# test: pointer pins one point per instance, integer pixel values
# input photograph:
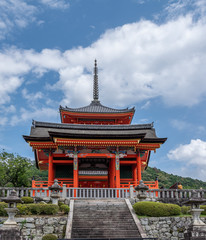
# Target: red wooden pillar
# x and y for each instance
(75, 171)
(109, 175)
(112, 173)
(139, 173)
(134, 174)
(50, 169)
(117, 168)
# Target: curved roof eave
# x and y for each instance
(96, 107)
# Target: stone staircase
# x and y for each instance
(103, 219)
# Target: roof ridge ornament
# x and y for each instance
(95, 86)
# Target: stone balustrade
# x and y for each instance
(25, 192)
(152, 194)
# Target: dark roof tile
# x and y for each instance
(96, 107)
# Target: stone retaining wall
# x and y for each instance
(163, 228)
(34, 228)
(166, 228)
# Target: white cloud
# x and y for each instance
(184, 125)
(144, 120)
(18, 14)
(175, 8)
(191, 158)
(146, 105)
(43, 114)
(59, 4)
(137, 62)
(180, 124)
(192, 153)
(155, 60)
(15, 14)
(31, 96)
(7, 109)
(16, 63)
(3, 121)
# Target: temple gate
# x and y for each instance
(94, 146)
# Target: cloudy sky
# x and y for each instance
(151, 54)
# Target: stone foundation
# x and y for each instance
(167, 228)
(10, 234)
(34, 228)
(163, 228)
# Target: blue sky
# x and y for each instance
(151, 54)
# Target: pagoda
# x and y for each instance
(93, 146)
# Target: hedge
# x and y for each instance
(49, 237)
(2, 210)
(203, 207)
(64, 208)
(156, 209)
(27, 200)
(60, 203)
(185, 210)
(37, 209)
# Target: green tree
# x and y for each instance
(166, 180)
(14, 170)
(18, 171)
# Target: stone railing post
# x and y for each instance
(131, 191)
(64, 191)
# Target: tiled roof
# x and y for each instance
(91, 126)
(44, 130)
(97, 107)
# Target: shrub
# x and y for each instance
(50, 209)
(49, 237)
(23, 209)
(60, 203)
(27, 200)
(64, 208)
(173, 209)
(203, 207)
(185, 210)
(2, 206)
(156, 209)
(37, 209)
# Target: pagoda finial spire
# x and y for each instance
(95, 87)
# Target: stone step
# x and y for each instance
(102, 209)
(109, 212)
(102, 216)
(84, 228)
(103, 219)
(101, 236)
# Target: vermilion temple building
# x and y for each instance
(94, 146)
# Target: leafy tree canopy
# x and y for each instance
(17, 171)
(166, 180)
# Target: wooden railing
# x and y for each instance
(124, 183)
(45, 184)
